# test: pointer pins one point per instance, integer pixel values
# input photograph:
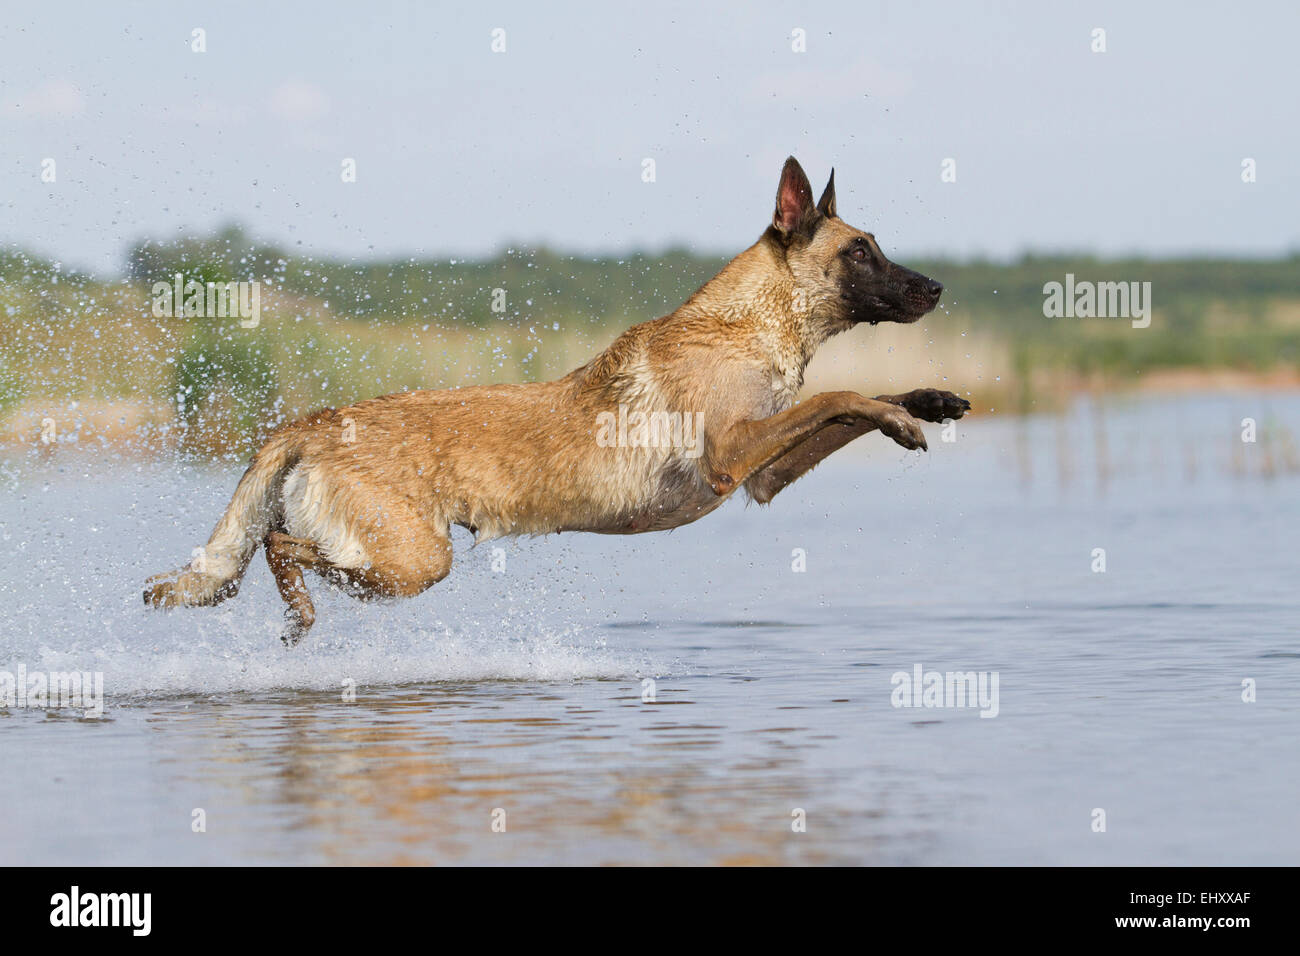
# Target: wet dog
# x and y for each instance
(653, 433)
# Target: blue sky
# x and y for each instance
(461, 151)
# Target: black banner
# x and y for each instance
(333, 906)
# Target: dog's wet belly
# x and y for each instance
(674, 500)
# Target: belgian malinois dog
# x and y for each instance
(655, 432)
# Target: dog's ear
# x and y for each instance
(794, 203)
(826, 205)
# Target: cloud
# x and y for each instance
(54, 98)
(299, 101)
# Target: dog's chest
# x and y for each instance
(784, 388)
(678, 495)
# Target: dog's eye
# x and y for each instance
(858, 253)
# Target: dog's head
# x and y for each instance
(841, 277)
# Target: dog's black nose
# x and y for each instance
(934, 289)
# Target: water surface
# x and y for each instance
(522, 690)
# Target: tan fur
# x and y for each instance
(375, 512)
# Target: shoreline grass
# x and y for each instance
(90, 354)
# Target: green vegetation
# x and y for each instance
(335, 331)
(1219, 313)
(1212, 313)
(540, 285)
(225, 383)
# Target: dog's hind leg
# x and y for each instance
(287, 556)
(407, 557)
(403, 566)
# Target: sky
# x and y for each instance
(461, 150)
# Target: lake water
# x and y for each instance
(517, 697)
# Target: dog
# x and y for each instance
(653, 433)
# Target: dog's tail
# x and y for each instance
(214, 573)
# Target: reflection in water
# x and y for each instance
(414, 776)
(1157, 449)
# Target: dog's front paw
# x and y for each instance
(902, 428)
(934, 404)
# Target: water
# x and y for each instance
(521, 691)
